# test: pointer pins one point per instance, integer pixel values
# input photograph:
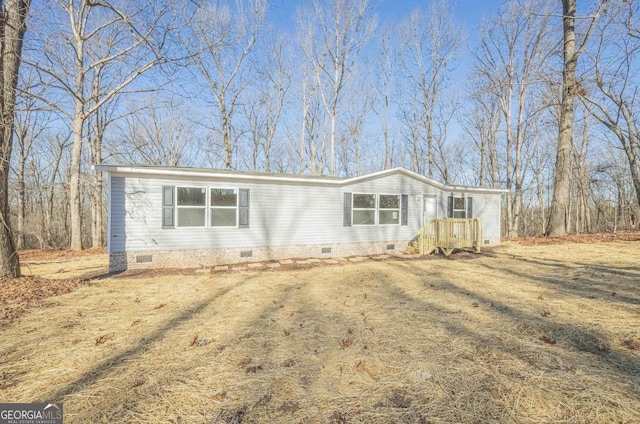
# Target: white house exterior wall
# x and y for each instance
(286, 220)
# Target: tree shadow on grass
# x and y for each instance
(106, 365)
(547, 331)
(603, 286)
(633, 272)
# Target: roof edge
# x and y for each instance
(192, 172)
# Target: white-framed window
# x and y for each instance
(223, 207)
(389, 209)
(459, 207)
(364, 209)
(191, 206)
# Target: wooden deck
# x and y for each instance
(450, 233)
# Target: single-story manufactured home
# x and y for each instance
(166, 217)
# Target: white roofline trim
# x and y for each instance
(183, 172)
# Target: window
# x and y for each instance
(460, 207)
(389, 209)
(364, 209)
(191, 205)
(224, 207)
(188, 206)
(361, 209)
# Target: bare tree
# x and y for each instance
(219, 40)
(614, 98)
(386, 62)
(49, 162)
(32, 120)
(481, 124)
(313, 123)
(514, 49)
(558, 219)
(268, 97)
(356, 110)
(158, 134)
(13, 17)
(117, 40)
(431, 43)
(332, 35)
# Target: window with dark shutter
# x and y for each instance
(243, 208)
(346, 219)
(405, 210)
(168, 207)
(469, 207)
(450, 207)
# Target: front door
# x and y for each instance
(429, 208)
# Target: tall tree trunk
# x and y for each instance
(20, 240)
(97, 240)
(96, 205)
(226, 132)
(557, 225)
(74, 180)
(13, 16)
(385, 131)
(51, 189)
(75, 205)
(509, 161)
(303, 127)
(558, 218)
(332, 137)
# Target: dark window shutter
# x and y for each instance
(243, 208)
(450, 207)
(346, 217)
(168, 207)
(404, 212)
(469, 207)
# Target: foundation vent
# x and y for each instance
(144, 258)
(246, 253)
(326, 250)
(391, 246)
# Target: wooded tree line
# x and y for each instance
(544, 103)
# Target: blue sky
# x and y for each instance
(468, 12)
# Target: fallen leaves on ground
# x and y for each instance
(52, 254)
(578, 238)
(289, 407)
(20, 294)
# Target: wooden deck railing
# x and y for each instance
(450, 233)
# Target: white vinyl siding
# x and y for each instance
(284, 214)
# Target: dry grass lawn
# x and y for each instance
(525, 334)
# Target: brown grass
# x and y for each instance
(62, 264)
(529, 334)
